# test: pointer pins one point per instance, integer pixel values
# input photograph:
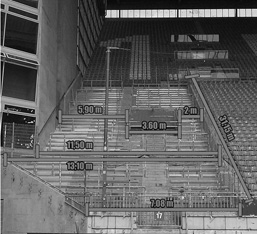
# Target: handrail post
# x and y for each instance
(60, 175)
(104, 197)
(156, 75)
(35, 138)
(12, 143)
(107, 97)
(64, 105)
(5, 126)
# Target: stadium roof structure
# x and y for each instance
(180, 4)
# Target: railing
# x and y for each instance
(20, 136)
(250, 76)
(102, 83)
(212, 128)
(208, 72)
(201, 54)
(121, 79)
(207, 125)
(230, 179)
(38, 178)
(186, 200)
(70, 93)
(62, 102)
(153, 219)
(68, 200)
(198, 38)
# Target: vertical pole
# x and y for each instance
(124, 198)
(220, 155)
(64, 103)
(131, 221)
(12, 144)
(126, 124)
(35, 138)
(156, 75)
(85, 186)
(60, 175)
(5, 127)
(37, 149)
(201, 115)
(106, 99)
(240, 209)
(5, 162)
(179, 124)
(87, 209)
(106, 127)
(59, 116)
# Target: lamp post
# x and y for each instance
(108, 51)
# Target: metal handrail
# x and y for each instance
(142, 201)
(39, 178)
(18, 136)
(213, 140)
(103, 81)
(190, 52)
(225, 147)
(59, 102)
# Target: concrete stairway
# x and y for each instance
(193, 138)
(171, 97)
(155, 142)
(154, 178)
(160, 231)
(195, 177)
(90, 130)
(96, 97)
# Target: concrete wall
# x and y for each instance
(32, 206)
(57, 56)
(111, 222)
(220, 223)
(66, 45)
(48, 60)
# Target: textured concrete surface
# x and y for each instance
(32, 206)
(57, 57)
(48, 62)
(221, 223)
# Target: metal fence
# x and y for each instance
(102, 83)
(19, 136)
(158, 218)
(201, 54)
(230, 179)
(178, 200)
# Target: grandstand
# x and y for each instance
(128, 118)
